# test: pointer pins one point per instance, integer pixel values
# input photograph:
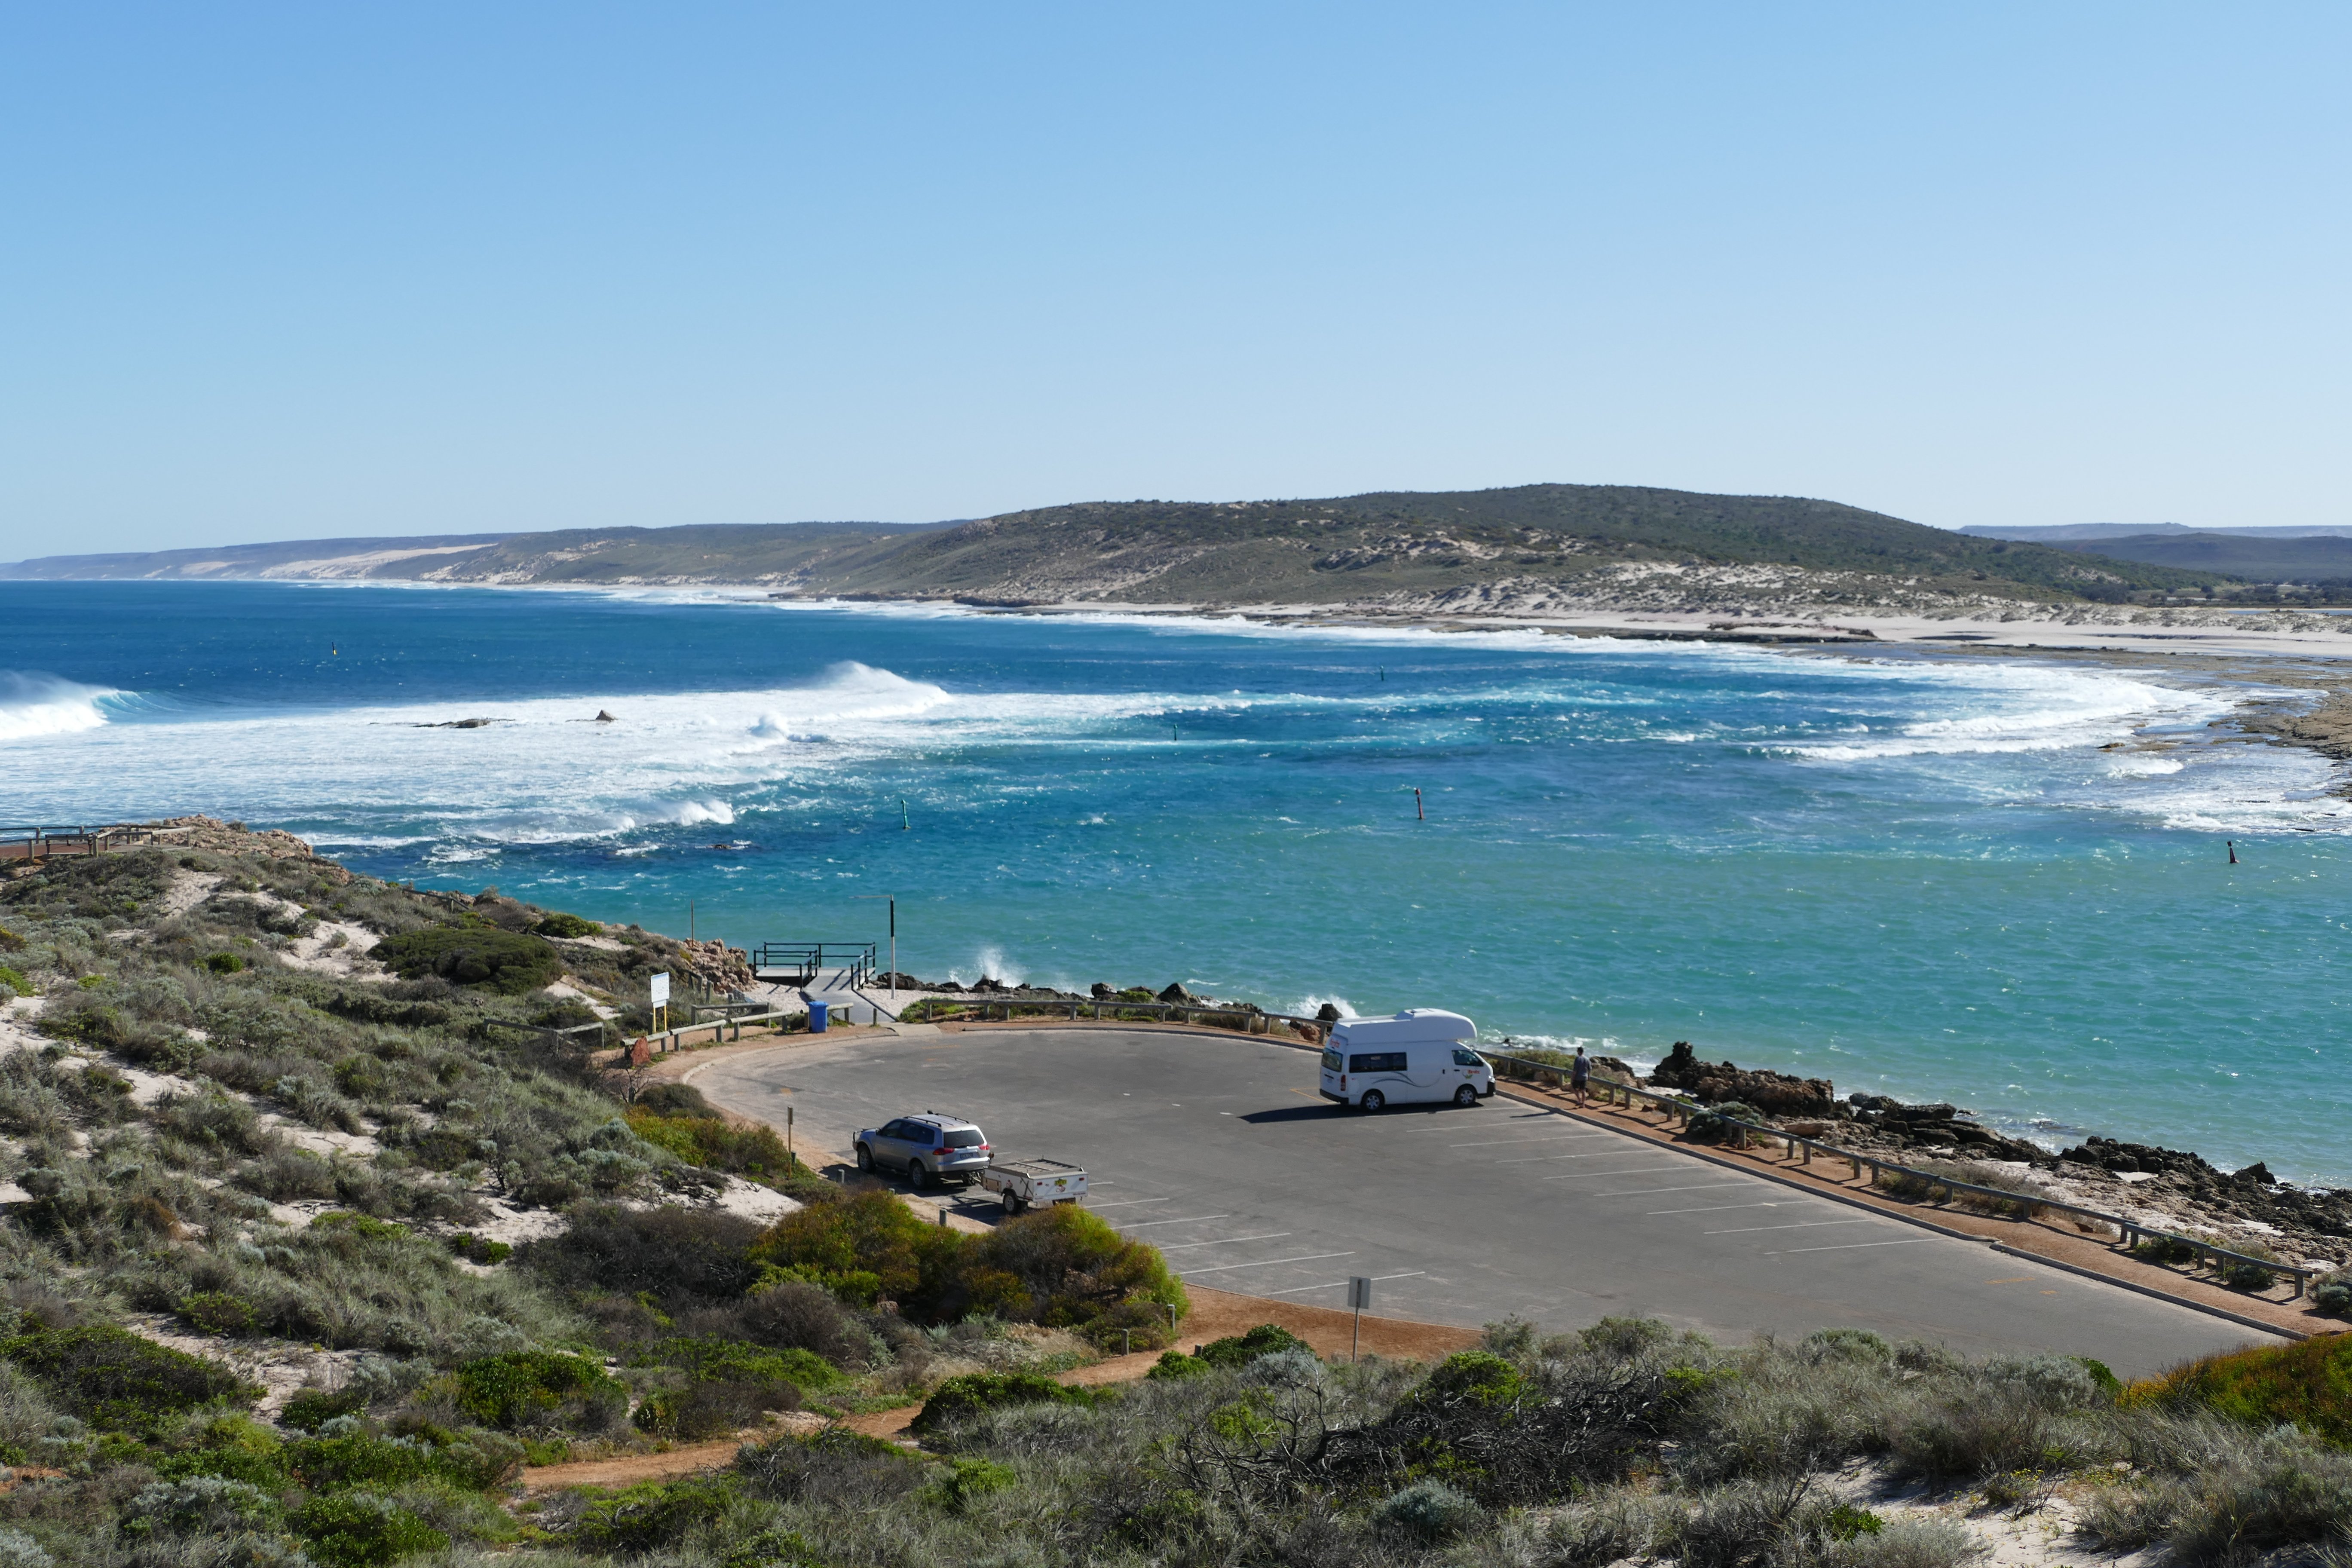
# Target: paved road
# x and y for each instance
(1220, 1152)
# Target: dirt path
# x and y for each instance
(1215, 1315)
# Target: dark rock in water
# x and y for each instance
(604, 718)
(1102, 991)
(1327, 1013)
(1176, 993)
(2258, 1172)
(1774, 1093)
(989, 986)
(460, 724)
(2110, 1155)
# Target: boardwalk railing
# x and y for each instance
(801, 962)
(41, 843)
(2130, 1233)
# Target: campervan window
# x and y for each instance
(1462, 1058)
(1332, 1060)
(1376, 1061)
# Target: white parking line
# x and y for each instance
(1190, 1219)
(1264, 1263)
(1849, 1246)
(1539, 1159)
(1228, 1241)
(1645, 1191)
(1128, 1203)
(1595, 1175)
(1712, 1208)
(1800, 1224)
(1334, 1284)
(1553, 1137)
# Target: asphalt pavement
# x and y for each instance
(1219, 1152)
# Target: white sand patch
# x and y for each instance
(282, 1367)
(321, 1140)
(565, 988)
(188, 889)
(147, 1087)
(748, 1199)
(602, 943)
(514, 1225)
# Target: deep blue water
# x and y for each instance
(1912, 874)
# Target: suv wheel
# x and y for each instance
(1373, 1100)
(918, 1174)
(864, 1158)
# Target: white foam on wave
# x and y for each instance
(2013, 708)
(34, 703)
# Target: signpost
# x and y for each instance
(1359, 1296)
(892, 898)
(788, 1140)
(660, 992)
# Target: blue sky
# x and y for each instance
(273, 272)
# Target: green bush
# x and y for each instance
(1240, 1349)
(117, 1380)
(2333, 1300)
(314, 1408)
(475, 1463)
(218, 1312)
(561, 924)
(225, 964)
(2309, 1384)
(965, 1479)
(479, 1248)
(1429, 1511)
(651, 1515)
(525, 1387)
(960, 1398)
(359, 1530)
(2248, 1276)
(511, 962)
(12, 980)
(1175, 1366)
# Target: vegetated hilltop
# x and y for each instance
(1533, 549)
(2307, 559)
(303, 1258)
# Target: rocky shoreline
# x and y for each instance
(2170, 1189)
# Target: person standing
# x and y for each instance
(1579, 1076)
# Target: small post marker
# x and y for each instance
(1359, 1296)
(903, 824)
(788, 1138)
(2233, 851)
(1418, 814)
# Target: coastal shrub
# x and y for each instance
(200, 1504)
(977, 1393)
(834, 1467)
(714, 1143)
(560, 924)
(2309, 1384)
(116, 1380)
(653, 1515)
(361, 1530)
(2244, 1276)
(1429, 1511)
(2332, 1297)
(1239, 1350)
(218, 1312)
(13, 981)
(1175, 1366)
(10, 941)
(1719, 1123)
(2164, 1249)
(225, 962)
(478, 1248)
(336, 1458)
(538, 1387)
(682, 1258)
(513, 963)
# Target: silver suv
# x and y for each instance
(928, 1147)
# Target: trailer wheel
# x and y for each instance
(1012, 1205)
(1373, 1100)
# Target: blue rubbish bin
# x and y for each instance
(816, 1018)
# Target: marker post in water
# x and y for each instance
(1418, 815)
(1359, 1296)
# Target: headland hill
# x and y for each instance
(318, 1246)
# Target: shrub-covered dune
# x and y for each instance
(314, 1238)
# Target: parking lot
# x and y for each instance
(1219, 1152)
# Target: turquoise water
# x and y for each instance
(1918, 874)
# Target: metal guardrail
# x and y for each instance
(2129, 1232)
(1085, 1007)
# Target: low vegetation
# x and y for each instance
(289, 1168)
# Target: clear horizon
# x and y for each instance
(280, 273)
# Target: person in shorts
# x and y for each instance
(1580, 1076)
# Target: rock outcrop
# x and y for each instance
(1774, 1093)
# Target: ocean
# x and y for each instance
(2001, 882)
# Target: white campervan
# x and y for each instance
(1421, 1054)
